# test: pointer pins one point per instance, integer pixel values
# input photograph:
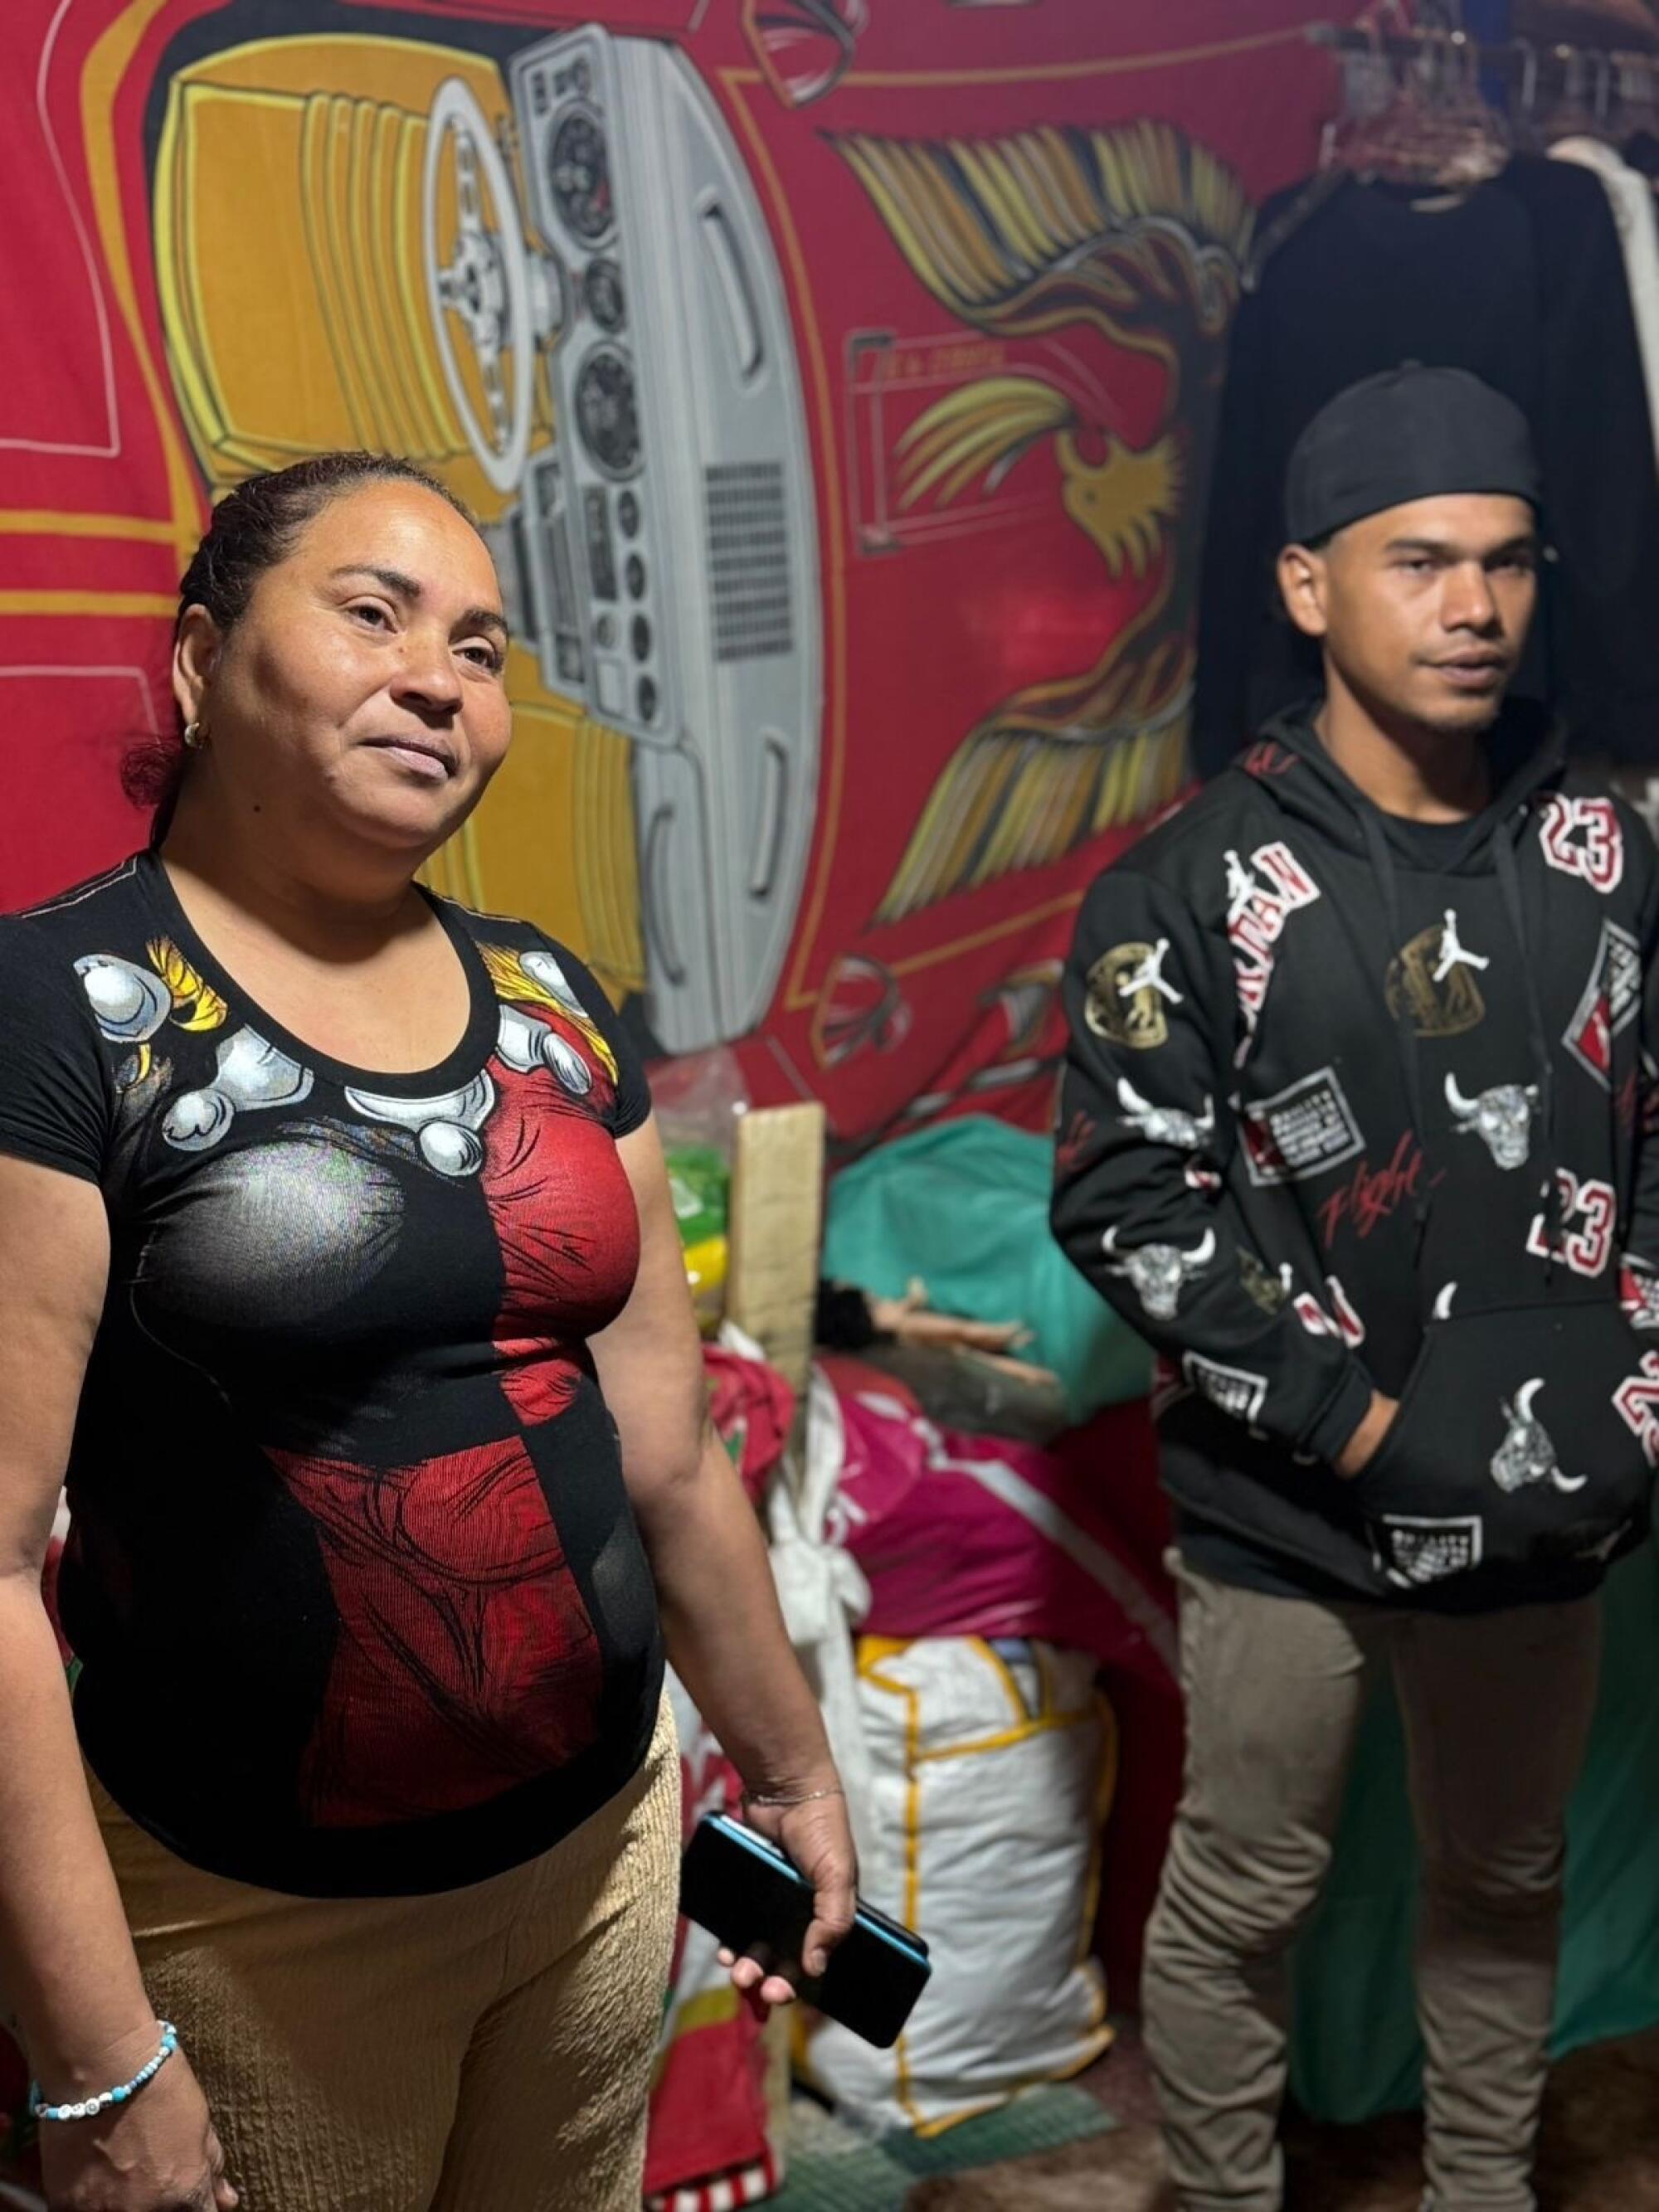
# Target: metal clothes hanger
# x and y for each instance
(1433, 128)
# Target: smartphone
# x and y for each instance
(746, 1892)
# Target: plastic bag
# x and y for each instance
(698, 1099)
(700, 1185)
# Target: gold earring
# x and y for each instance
(193, 736)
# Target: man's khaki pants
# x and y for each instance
(1497, 1709)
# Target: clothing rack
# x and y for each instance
(1487, 92)
(1564, 89)
(1519, 57)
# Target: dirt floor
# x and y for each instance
(1600, 2150)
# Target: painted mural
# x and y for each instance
(833, 379)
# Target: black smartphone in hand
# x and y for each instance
(746, 1892)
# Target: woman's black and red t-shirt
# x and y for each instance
(360, 1602)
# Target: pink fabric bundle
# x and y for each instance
(978, 1536)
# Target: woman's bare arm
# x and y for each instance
(724, 1631)
(67, 1963)
(71, 1975)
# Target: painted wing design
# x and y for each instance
(1027, 233)
(1142, 234)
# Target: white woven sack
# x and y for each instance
(992, 1771)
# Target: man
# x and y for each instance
(1351, 1131)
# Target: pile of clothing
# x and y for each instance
(1006, 1722)
(967, 1542)
(969, 1552)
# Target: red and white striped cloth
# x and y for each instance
(748, 2184)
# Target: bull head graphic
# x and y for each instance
(1160, 1271)
(1166, 1125)
(1527, 1454)
(1500, 1117)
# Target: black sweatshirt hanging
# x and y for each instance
(1522, 282)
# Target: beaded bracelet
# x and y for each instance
(89, 2108)
(806, 1797)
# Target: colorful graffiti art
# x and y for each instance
(833, 379)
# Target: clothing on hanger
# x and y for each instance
(1631, 200)
(1522, 281)
(1436, 127)
(1589, 20)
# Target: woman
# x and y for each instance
(339, 1274)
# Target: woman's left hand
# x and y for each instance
(818, 1839)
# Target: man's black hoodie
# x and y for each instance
(1337, 1117)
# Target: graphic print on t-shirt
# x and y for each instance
(449, 1578)
(451, 1587)
(380, 1290)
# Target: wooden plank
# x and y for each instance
(775, 1232)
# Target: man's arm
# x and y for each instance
(1146, 1135)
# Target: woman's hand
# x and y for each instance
(818, 1839)
(157, 2154)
